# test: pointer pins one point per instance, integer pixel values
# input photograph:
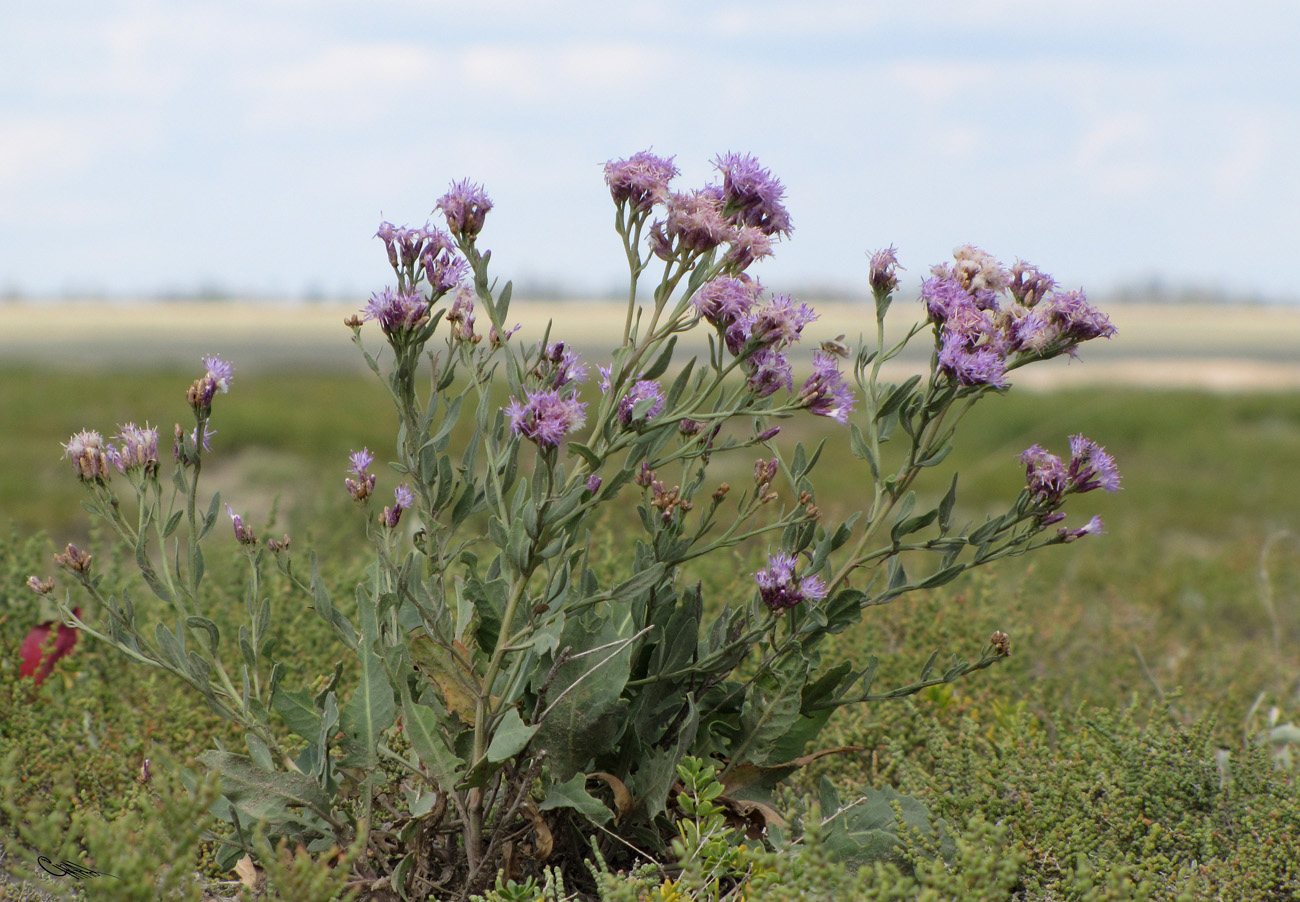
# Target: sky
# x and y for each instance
(254, 147)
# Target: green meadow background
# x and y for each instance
(1186, 612)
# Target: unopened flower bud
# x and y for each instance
(769, 433)
(74, 559)
(721, 492)
(593, 484)
(1001, 643)
(243, 535)
(39, 586)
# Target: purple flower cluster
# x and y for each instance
(243, 534)
(641, 180)
(725, 299)
(137, 448)
(746, 212)
(466, 206)
(825, 392)
(546, 416)
(461, 317)
(397, 311)
(778, 587)
(429, 248)
(89, 456)
(363, 485)
(559, 366)
(643, 402)
(217, 378)
(403, 498)
(884, 270)
(978, 339)
(1049, 479)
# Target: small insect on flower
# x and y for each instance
(836, 346)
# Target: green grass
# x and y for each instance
(1193, 597)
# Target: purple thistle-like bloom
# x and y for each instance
(778, 588)
(884, 270)
(403, 498)
(444, 268)
(1091, 467)
(643, 402)
(1028, 284)
(546, 417)
(695, 222)
(361, 487)
(725, 299)
(968, 365)
(560, 365)
(217, 378)
(752, 195)
(396, 311)
(89, 456)
(1092, 528)
(1045, 475)
(641, 180)
(243, 534)
(1078, 319)
(768, 371)
(945, 298)
(466, 205)
(747, 244)
(138, 448)
(825, 392)
(776, 324)
(979, 273)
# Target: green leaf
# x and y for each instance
(420, 725)
(587, 454)
(298, 711)
(371, 710)
(260, 793)
(203, 623)
(661, 362)
(945, 506)
(210, 518)
(573, 794)
(867, 830)
(897, 397)
(941, 577)
(771, 707)
(510, 737)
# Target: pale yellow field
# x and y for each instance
(1222, 348)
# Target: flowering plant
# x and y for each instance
(530, 696)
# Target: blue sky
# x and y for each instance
(256, 146)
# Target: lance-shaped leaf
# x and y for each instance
(265, 794)
(867, 830)
(372, 709)
(771, 708)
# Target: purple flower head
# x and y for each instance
(1078, 319)
(1045, 475)
(747, 244)
(778, 588)
(466, 205)
(825, 392)
(944, 296)
(1091, 467)
(406, 245)
(397, 311)
(979, 273)
(402, 500)
(138, 448)
(774, 325)
(461, 317)
(1028, 284)
(968, 365)
(643, 402)
(546, 417)
(695, 223)
(752, 195)
(361, 487)
(1092, 528)
(1035, 333)
(444, 268)
(641, 180)
(89, 456)
(593, 483)
(217, 378)
(725, 299)
(768, 371)
(243, 534)
(560, 365)
(884, 270)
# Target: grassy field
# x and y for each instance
(1186, 614)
